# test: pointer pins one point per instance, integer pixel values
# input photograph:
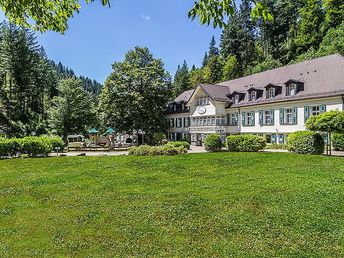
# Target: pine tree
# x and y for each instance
(213, 50)
(334, 13)
(205, 59)
(181, 80)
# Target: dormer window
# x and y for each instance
(252, 96)
(271, 93)
(291, 90)
(236, 99)
(202, 101)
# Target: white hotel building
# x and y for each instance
(273, 103)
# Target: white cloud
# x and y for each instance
(145, 17)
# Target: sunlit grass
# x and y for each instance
(221, 204)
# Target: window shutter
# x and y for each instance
(322, 108)
(272, 114)
(306, 109)
(281, 116)
(253, 118)
(294, 115)
(261, 117)
(184, 122)
(243, 118)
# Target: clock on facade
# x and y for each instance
(201, 110)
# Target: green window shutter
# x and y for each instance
(322, 108)
(272, 114)
(261, 117)
(294, 115)
(281, 116)
(306, 109)
(184, 121)
(253, 118)
(243, 118)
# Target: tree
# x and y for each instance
(181, 80)
(329, 122)
(136, 93)
(309, 34)
(214, 68)
(334, 13)
(196, 77)
(216, 11)
(205, 59)
(268, 64)
(46, 15)
(231, 69)
(71, 112)
(213, 50)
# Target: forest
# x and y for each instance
(38, 96)
(300, 30)
(29, 84)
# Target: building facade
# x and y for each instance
(272, 104)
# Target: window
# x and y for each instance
(249, 118)
(172, 122)
(202, 101)
(291, 90)
(236, 99)
(213, 120)
(267, 117)
(179, 122)
(271, 93)
(315, 110)
(253, 96)
(233, 119)
(288, 116)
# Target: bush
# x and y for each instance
(305, 142)
(55, 141)
(36, 146)
(245, 143)
(275, 146)
(213, 142)
(338, 142)
(9, 147)
(167, 150)
(183, 144)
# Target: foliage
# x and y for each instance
(215, 11)
(135, 94)
(275, 146)
(245, 143)
(9, 147)
(166, 150)
(268, 64)
(305, 142)
(213, 143)
(231, 69)
(46, 15)
(35, 146)
(183, 144)
(56, 142)
(181, 81)
(71, 111)
(338, 141)
(334, 13)
(330, 122)
(159, 138)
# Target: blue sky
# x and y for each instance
(99, 35)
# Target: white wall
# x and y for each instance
(335, 103)
(178, 129)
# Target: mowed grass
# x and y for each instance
(204, 205)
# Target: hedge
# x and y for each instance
(213, 143)
(32, 146)
(338, 142)
(167, 150)
(305, 142)
(183, 144)
(245, 143)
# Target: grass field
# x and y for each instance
(222, 204)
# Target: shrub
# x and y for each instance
(305, 142)
(338, 142)
(183, 144)
(245, 143)
(213, 142)
(145, 150)
(35, 146)
(9, 147)
(55, 141)
(275, 146)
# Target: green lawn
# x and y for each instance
(222, 204)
